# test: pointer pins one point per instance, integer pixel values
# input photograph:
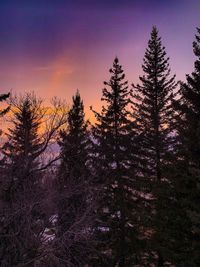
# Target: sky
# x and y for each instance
(55, 47)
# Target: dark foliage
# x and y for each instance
(114, 171)
(154, 115)
(187, 172)
(73, 229)
(21, 213)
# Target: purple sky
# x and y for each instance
(54, 47)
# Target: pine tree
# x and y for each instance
(20, 224)
(188, 154)
(154, 112)
(114, 172)
(72, 245)
(23, 140)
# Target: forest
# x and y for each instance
(123, 191)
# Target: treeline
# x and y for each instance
(123, 192)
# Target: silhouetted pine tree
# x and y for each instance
(154, 112)
(187, 182)
(20, 224)
(23, 144)
(72, 244)
(114, 171)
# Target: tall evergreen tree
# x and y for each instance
(154, 112)
(23, 140)
(187, 182)
(72, 244)
(114, 171)
(20, 224)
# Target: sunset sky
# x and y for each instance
(54, 47)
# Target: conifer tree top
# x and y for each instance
(76, 116)
(118, 87)
(196, 49)
(190, 91)
(155, 62)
